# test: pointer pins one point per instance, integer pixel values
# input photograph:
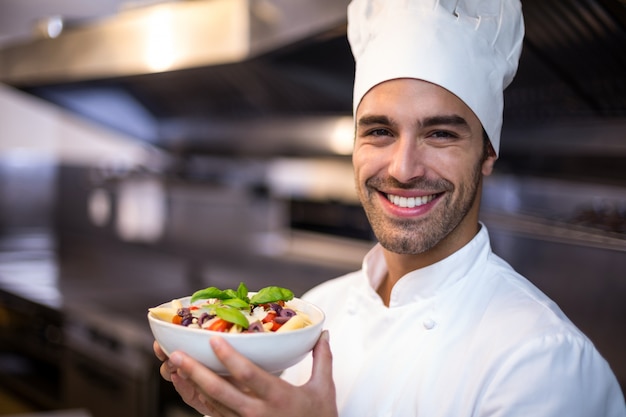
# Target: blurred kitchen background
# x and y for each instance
(151, 148)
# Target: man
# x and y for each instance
(434, 324)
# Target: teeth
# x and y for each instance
(410, 202)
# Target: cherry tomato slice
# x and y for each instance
(270, 316)
(220, 325)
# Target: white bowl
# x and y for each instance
(272, 351)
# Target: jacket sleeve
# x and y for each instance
(553, 376)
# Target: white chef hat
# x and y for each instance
(469, 47)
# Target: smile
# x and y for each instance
(410, 202)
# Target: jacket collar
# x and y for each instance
(427, 282)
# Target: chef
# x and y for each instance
(434, 323)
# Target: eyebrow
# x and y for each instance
(374, 120)
(450, 120)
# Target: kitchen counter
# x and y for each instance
(30, 268)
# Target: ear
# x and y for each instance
(489, 162)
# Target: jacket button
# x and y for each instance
(429, 324)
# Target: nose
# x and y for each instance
(407, 160)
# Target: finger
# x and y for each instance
(322, 372)
(247, 376)
(241, 387)
(185, 388)
(190, 394)
(166, 371)
(213, 386)
(159, 352)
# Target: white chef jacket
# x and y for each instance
(467, 336)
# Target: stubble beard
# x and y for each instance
(416, 236)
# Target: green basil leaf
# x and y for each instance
(211, 292)
(242, 292)
(236, 303)
(232, 315)
(271, 295)
(229, 293)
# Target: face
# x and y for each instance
(419, 159)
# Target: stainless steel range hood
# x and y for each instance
(178, 73)
(167, 37)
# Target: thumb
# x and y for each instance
(321, 385)
(322, 360)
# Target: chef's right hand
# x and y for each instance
(250, 391)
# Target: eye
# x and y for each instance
(443, 134)
(375, 134)
(379, 132)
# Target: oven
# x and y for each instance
(82, 357)
(106, 368)
(31, 351)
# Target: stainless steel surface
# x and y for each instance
(67, 346)
(598, 137)
(296, 135)
(566, 211)
(107, 358)
(169, 36)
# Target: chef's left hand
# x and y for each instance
(250, 391)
